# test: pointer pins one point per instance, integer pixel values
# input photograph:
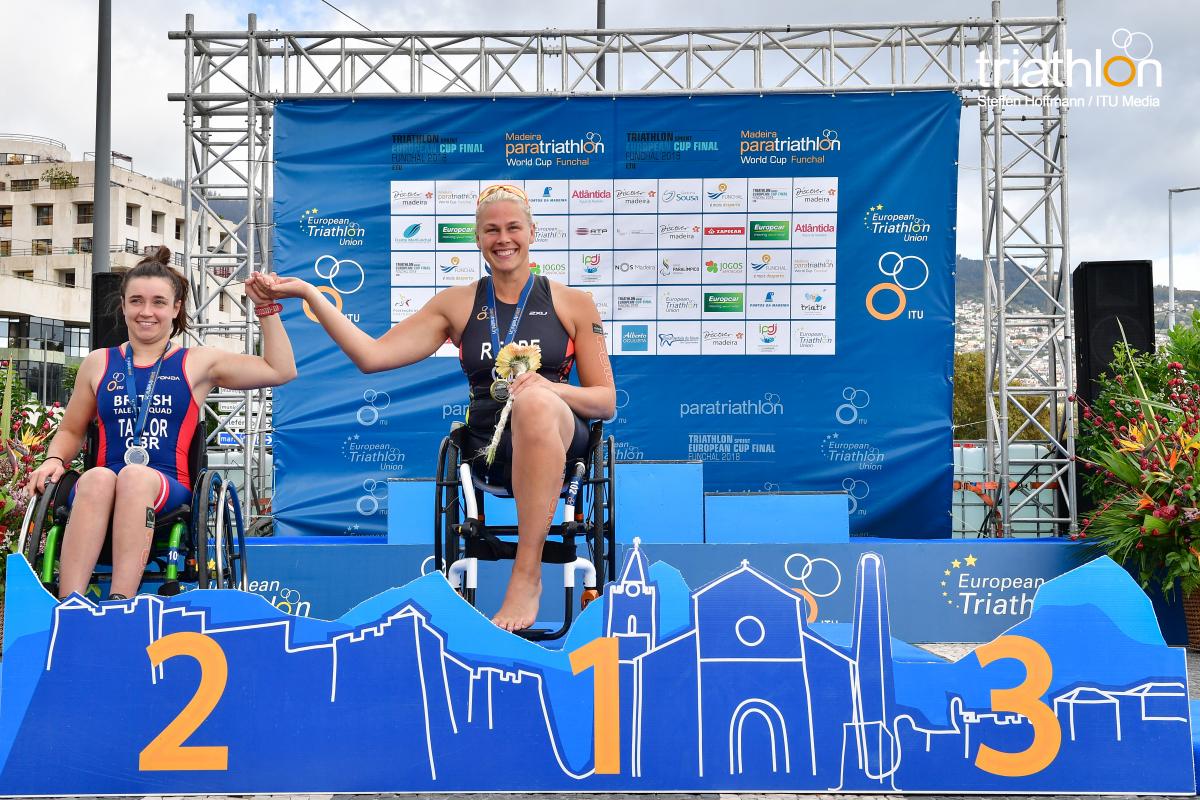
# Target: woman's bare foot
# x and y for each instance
(520, 607)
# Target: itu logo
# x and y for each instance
(345, 276)
(856, 400)
(856, 491)
(373, 403)
(908, 274)
(818, 577)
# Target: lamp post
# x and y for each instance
(1171, 250)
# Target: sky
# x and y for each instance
(1121, 160)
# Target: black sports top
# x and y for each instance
(539, 325)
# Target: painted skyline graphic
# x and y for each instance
(658, 687)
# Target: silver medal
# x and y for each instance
(137, 455)
(499, 390)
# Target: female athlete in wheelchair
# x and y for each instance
(548, 415)
(145, 399)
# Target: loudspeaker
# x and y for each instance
(108, 324)
(1109, 297)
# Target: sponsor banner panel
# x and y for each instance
(710, 232)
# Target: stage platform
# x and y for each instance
(951, 590)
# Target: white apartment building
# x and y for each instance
(46, 232)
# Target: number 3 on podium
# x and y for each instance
(1024, 699)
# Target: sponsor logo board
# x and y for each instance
(814, 194)
(723, 338)
(413, 269)
(813, 338)
(677, 195)
(412, 197)
(813, 301)
(413, 233)
(678, 338)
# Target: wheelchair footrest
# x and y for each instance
(492, 548)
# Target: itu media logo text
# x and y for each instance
(1115, 72)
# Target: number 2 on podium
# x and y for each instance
(167, 751)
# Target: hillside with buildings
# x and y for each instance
(46, 235)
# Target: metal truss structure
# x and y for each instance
(234, 78)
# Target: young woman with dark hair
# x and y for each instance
(146, 398)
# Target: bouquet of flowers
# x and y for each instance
(1145, 458)
(512, 360)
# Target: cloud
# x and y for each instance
(1121, 160)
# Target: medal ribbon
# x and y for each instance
(494, 326)
(144, 407)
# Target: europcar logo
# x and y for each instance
(775, 230)
(725, 302)
(348, 232)
(452, 232)
(908, 274)
(635, 338)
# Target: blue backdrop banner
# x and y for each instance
(775, 275)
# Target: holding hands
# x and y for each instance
(264, 287)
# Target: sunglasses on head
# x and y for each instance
(502, 187)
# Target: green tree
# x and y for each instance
(70, 373)
(970, 412)
(970, 402)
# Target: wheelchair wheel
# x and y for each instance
(42, 528)
(230, 547)
(602, 536)
(447, 543)
(218, 535)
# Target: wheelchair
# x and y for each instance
(202, 542)
(462, 538)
